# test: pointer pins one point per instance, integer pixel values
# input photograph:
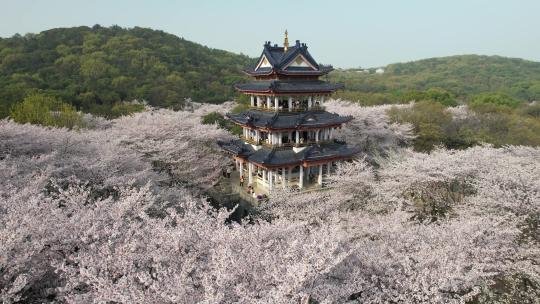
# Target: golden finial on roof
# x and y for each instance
(286, 42)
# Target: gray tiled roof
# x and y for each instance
(278, 58)
(288, 86)
(285, 120)
(274, 157)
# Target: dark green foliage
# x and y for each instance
(124, 108)
(434, 94)
(367, 99)
(516, 288)
(217, 118)
(532, 110)
(488, 122)
(47, 111)
(95, 68)
(242, 104)
(496, 99)
(501, 120)
(428, 119)
(461, 76)
(214, 118)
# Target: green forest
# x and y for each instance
(462, 77)
(51, 77)
(502, 95)
(93, 69)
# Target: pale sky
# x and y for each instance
(343, 33)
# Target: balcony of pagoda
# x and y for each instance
(288, 144)
(261, 180)
(287, 104)
(287, 110)
(295, 139)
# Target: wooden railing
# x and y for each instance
(285, 145)
(251, 141)
(286, 110)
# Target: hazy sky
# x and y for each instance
(342, 33)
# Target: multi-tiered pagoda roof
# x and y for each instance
(287, 71)
(286, 130)
(287, 61)
(275, 157)
(288, 121)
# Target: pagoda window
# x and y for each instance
(279, 103)
(264, 136)
(302, 103)
(308, 136)
(317, 102)
(283, 103)
(286, 138)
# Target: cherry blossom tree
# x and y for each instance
(176, 142)
(371, 128)
(114, 214)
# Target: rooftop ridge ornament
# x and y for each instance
(286, 42)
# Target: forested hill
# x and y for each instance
(462, 76)
(96, 68)
(93, 68)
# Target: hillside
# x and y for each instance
(93, 68)
(463, 76)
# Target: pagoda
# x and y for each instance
(288, 137)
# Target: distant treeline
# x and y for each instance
(462, 77)
(95, 68)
